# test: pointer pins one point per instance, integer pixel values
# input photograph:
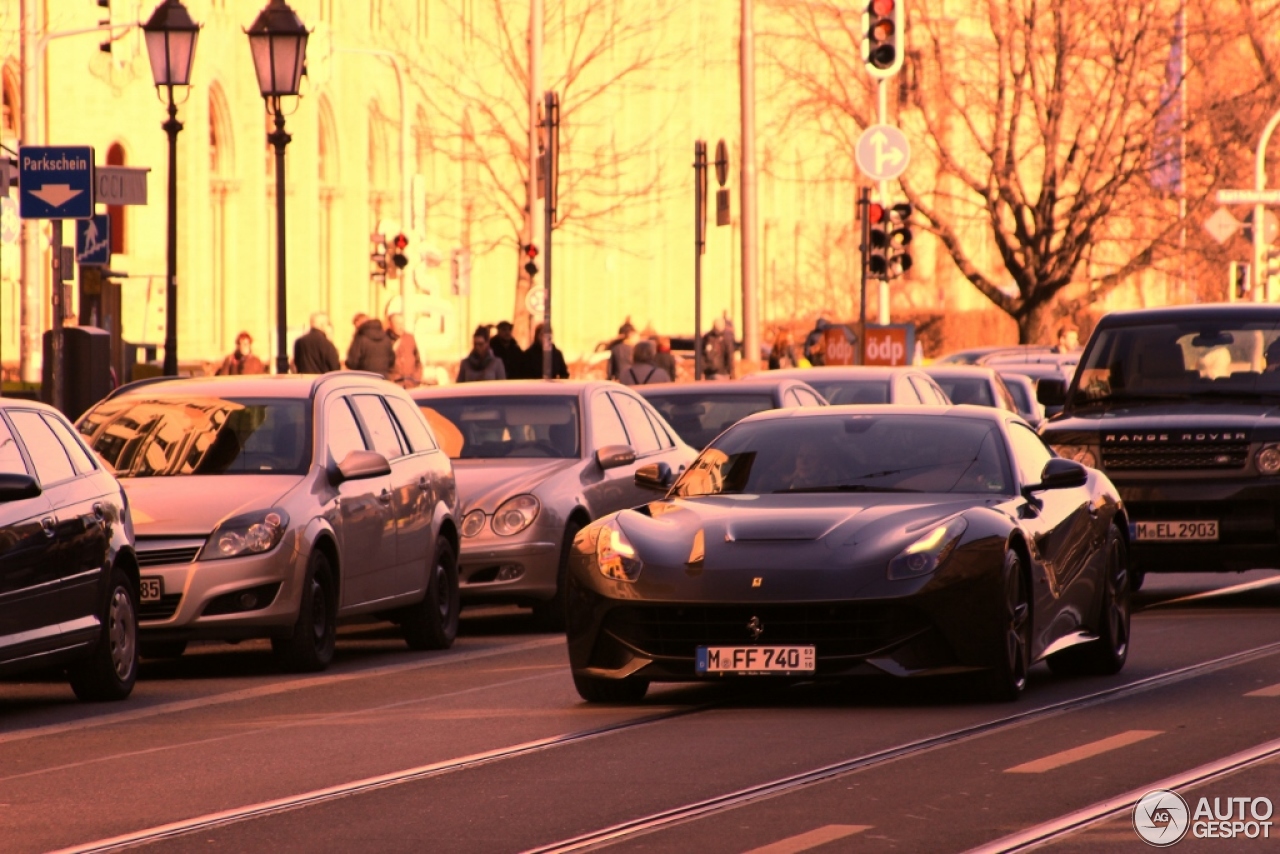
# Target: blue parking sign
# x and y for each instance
(55, 182)
(93, 241)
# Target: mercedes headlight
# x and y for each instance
(926, 554)
(1085, 455)
(473, 523)
(247, 534)
(615, 555)
(1268, 459)
(514, 515)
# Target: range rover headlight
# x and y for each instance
(473, 523)
(514, 515)
(926, 554)
(247, 534)
(1268, 459)
(615, 555)
(1085, 455)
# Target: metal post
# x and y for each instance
(32, 275)
(535, 95)
(280, 139)
(1261, 284)
(699, 249)
(551, 166)
(882, 102)
(864, 247)
(172, 127)
(57, 394)
(750, 256)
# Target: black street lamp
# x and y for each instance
(171, 45)
(278, 41)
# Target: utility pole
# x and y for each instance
(750, 259)
(535, 98)
(32, 275)
(551, 173)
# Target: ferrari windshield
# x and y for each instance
(138, 436)
(1173, 361)
(859, 453)
(471, 428)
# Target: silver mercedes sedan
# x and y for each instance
(536, 461)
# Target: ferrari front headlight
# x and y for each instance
(615, 555)
(926, 554)
(1085, 455)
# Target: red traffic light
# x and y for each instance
(883, 8)
(401, 241)
(875, 213)
(530, 251)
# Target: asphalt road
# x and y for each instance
(487, 748)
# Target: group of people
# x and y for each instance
(640, 361)
(390, 351)
(500, 357)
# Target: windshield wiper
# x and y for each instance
(845, 487)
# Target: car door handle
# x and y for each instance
(385, 496)
(50, 525)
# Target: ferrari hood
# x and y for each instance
(194, 505)
(485, 484)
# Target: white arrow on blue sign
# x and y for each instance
(55, 182)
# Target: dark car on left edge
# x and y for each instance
(830, 542)
(68, 574)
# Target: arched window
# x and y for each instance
(115, 157)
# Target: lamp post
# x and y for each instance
(278, 41)
(171, 46)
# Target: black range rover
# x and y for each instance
(1180, 407)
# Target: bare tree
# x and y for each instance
(1047, 135)
(595, 58)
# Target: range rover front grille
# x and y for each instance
(1226, 456)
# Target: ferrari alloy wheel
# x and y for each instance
(596, 690)
(1107, 654)
(1006, 680)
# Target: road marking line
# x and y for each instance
(281, 687)
(1270, 691)
(1221, 591)
(1084, 751)
(1094, 814)
(811, 839)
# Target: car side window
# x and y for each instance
(923, 391)
(807, 398)
(413, 424)
(382, 433)
(643, 438)
(606, 426)
(344, 432)
(1029, 452)
(11, 461)
(938, 393)
(48, 455)
(80, 458)
(1004, 396)
(664, 435)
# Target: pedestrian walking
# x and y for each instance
(642, 370)
(531, 368)
(242, 361)
(371, 348)
(408, 366)
(783, 354)
(664, 358)
(314, 353)
(481, 364)
(620, 352)
(717, 353)
(814, 343)
(508, 349)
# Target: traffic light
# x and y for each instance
(899, 238)
(398, 258)
(877, 242)
(1239, 281)
(882, 37)
(530, 252)
(378, 258)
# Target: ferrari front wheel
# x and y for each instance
(1106, 654)
(1007, 678)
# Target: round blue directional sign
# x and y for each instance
(883, 152)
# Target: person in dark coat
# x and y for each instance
(620, 351)
(481, 364)
(532, 367)
(408, 368)
(717, 353)
(314, 353)
(242, 361)
(371, 349)
(508, 349)
(664, 358)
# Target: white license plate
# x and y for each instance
(1200, 531)
(756, 660)
(151, 588)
